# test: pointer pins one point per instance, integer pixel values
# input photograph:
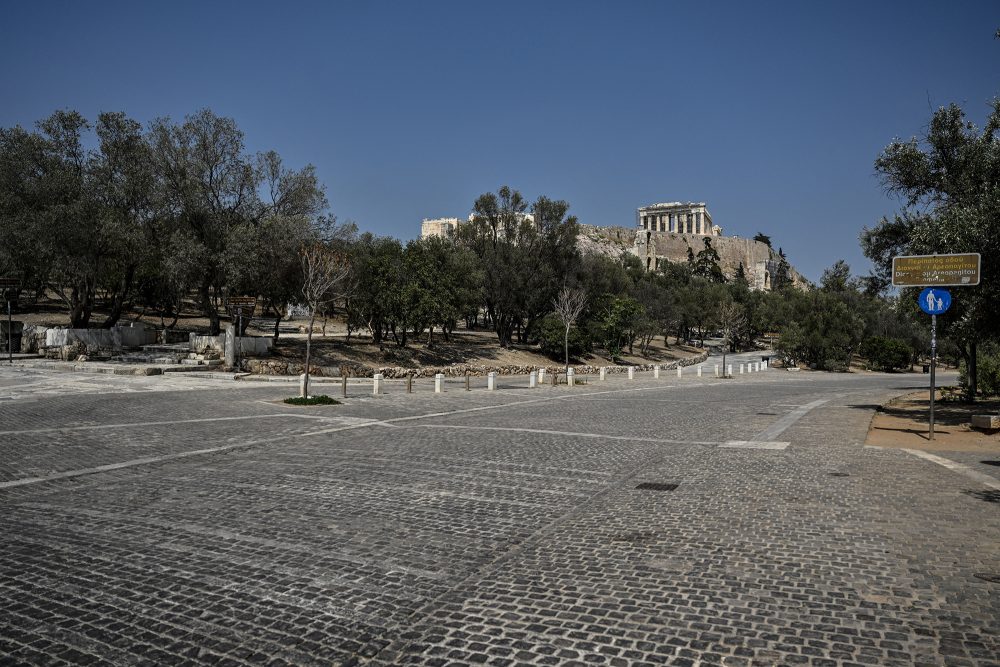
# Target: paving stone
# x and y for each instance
(502, 530)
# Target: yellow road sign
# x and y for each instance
(936, 270)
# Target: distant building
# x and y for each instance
(677, 218)
(446, 227)
(443, 227)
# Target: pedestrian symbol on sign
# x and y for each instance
(935, 301)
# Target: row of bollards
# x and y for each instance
(537, 378)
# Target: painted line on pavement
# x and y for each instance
(754, 444)
(779, 427)
(573, 434)
(98, 427)
(960, 468)
(116, 466)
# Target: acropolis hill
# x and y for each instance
(664, 232)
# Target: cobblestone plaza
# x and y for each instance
(194, 521)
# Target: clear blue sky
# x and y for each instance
(772, 113)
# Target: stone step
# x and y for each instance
(146, 359)
(175, 348)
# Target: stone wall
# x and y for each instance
(250, 346)
(115, 338)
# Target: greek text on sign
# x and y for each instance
(936, 270)
(241, 301)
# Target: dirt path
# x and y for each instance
(903, 424)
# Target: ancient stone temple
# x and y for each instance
(666, 232)
(677, 218)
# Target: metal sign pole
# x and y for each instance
(239, 337)
(10, 335)
(933, 364)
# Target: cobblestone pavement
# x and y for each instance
(201, 522)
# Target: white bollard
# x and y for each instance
(699, 371)
(750, 367)
(302, 385)
(541, 376)
(680, 371)
(631, 372)
(741, 369)
(729, 372)
(758, 367)
(491, 381)
(604, 372)
(438, 383)
(532, 380)
(656, 372)
(717, 370)
(570, 377)
(376, 383)
(765, 364)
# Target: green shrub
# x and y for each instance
(886, 354)
(987, 370)
(551, 332)
(312, 400)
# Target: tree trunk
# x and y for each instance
(118, 303)
(277, 321)
(209, 309)
(566, 348)
(81, 305)
(309, 339)
(973, 372)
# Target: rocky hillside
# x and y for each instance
(759, 260)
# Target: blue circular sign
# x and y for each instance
(934, 300)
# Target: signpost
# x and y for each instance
(9, 285)
(936, 270)
(238, 305)
(934, 300)
(933, 272)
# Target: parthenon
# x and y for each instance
(678, 218)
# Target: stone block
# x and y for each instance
(986, 422)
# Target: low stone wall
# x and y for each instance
(171, 336)
(281, 367)
(33, 338)
(113, 338)
(201, 344)
(250, 346)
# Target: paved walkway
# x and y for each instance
(678, 521)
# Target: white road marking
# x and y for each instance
(753, 444)
(960, 468)
(574, 434)
(779, 427)
(118, 466)
(97, 427)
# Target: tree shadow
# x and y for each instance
(986, 496)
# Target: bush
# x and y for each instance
(886, 354)
(551, 332)
(987, 370)
(312, 400)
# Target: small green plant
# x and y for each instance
(312, 400)
(987, 370)
(551, 334)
